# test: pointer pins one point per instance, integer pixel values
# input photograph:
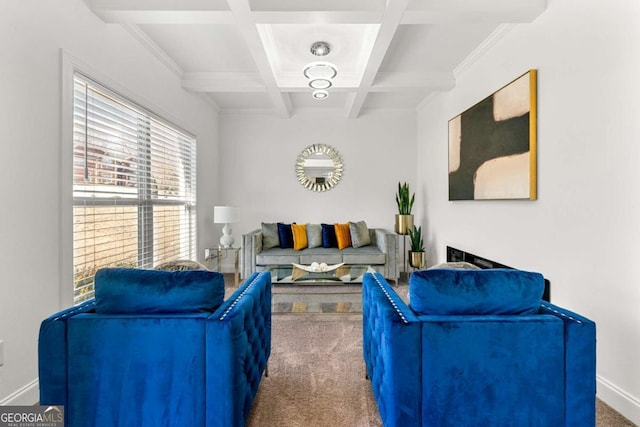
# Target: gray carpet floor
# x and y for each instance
(316, 374)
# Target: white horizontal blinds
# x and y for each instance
(106, 152)
(133, 186)
(172, 165)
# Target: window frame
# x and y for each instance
(70, 66)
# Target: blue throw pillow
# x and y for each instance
(286, 235)
(475, 292)
(130, 290)
(329, 236)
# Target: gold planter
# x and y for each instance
(418, 259)
(404, 223)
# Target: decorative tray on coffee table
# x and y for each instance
(317, 273)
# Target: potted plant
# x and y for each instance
(417, 255)
(404, 218)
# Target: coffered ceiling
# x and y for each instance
(250, 54)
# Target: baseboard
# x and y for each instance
(618, 399)
(27, 395)
(612, 395)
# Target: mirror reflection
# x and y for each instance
(319, 167)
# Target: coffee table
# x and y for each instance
(344, 274)
(298, 291)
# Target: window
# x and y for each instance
(134, 186)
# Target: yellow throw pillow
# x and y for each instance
(343, 235)
(299, 236)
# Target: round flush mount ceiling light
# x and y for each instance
(320, 48)
(320, 84)
(320, 94)
(320, 70)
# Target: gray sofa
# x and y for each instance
(381, 254)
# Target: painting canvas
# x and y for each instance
(492, 145)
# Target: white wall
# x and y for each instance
(32, 34)
(583, 232)
(260, 151)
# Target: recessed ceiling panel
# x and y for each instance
(197, 48)
(288, 48)
(433, 47)
(395, 100)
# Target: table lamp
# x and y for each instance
(225, 215)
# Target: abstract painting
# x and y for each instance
(492, 145)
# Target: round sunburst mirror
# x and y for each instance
(319, 167)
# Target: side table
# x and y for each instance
(221, 253)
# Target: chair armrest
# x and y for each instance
(52, 354)
(251, 246)
(391, 348)
(580, 365)
(238, 348)
(387, 242)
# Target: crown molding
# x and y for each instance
(497, 35)
(153, 48)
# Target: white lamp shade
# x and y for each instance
(225, 214)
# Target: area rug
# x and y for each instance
(313, 297)
(316, 374)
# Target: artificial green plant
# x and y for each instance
(404, 202)
(417, 243)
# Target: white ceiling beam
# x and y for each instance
(402, 81)
(388, 27)
(242, 13)
(223, 82)
(317, 5)
(316, 17)
(473, 11)
(171, 17)
(252, 82)
(162, 11)
(217, 12)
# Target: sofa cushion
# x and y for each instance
(343, 235)
(270, 236)
(286, 236)
(365, 255)
(329, 236)
(130, 290)
(327, 255)
(314, 235)
(359, 234)
(475, 292)
(299, 232)
(278, 256)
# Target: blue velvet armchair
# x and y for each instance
(477, 348)
(158, 348)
